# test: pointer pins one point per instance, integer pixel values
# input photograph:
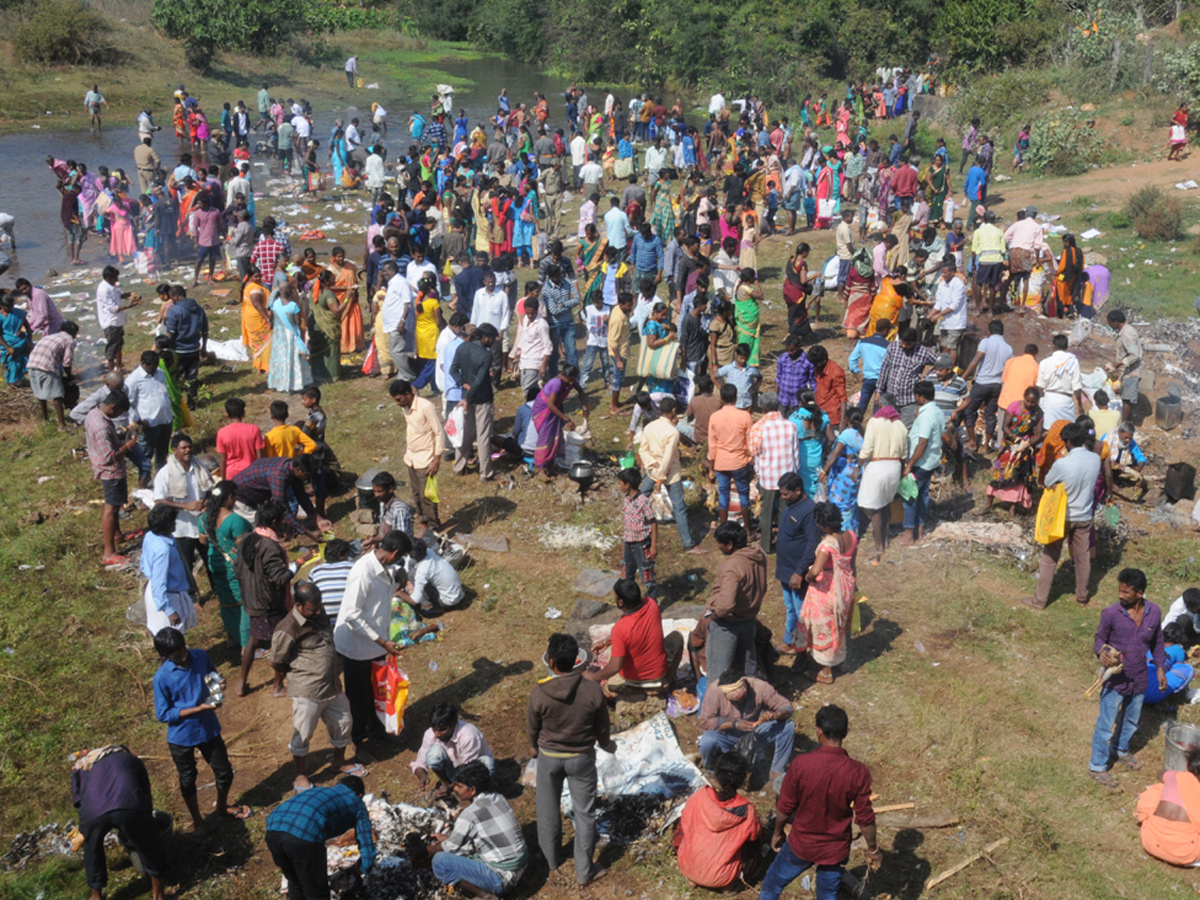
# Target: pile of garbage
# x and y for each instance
(51, 839)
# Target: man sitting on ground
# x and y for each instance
(641, 657)
(484, 854)
(737, 705)
(447, 746)
(718, 836)
(432, 582)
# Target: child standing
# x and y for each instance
(772, 209)
(596, 317)
(314, 428)
(283, 439)
(641, 533)
(741, 375)
(182, 702)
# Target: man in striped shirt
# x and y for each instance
(330, 576)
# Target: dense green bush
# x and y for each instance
(1155, 216)
(1180, 76)
(1000, 99)
(1062, 143)
(62, 32)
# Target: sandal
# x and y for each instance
(1131, 762)
(241, 813)
(1104, 778)
(357, 769)
(824, 677)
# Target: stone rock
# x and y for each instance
(366, 531)
(363, 517)
(589, 609)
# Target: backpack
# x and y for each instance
(863, 263)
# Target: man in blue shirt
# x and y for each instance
(647, 255)
(182, 702)
(795, 550)
(867, 359)
(976, 190)
(299, 827)
(187, 325)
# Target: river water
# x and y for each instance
(27, 186)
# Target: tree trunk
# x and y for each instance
(1116, 64)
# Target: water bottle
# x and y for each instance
(490, 603)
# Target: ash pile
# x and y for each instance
(401, 832)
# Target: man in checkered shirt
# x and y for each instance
(775, 445)
(484, 854)
(269, 248)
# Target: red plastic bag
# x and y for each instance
(391, 693)
(371, 364)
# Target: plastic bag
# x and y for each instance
(371, 363)
(391, 693)
(431, 490)
(757, 760)
(660, 502)
(908, 489)
(1052, 515)
(822, 493)
(454, 428)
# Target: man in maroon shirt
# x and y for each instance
(822, 792)
(904, 181)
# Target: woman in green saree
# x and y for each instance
(746, 311)
(591, 255)
(223, 528)
(939, 189)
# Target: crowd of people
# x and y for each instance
(467, 284)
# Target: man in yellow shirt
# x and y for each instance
(618, 345)
(659, 454)
(284, 439)
(424, 444)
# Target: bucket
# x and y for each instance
(1181, 740)
(1168, 412)
(164, 821)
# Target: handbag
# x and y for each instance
(660, 362)
(1052, 515)
(623, 168)
(825, 209)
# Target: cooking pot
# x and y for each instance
(581, 472)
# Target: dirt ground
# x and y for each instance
(961, 701)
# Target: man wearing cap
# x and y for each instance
(950, 308)
(987, 253)
(148, 163)
(1026, 246)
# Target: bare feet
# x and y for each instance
(301, 783)
(240, 689)
(279, 691)
(905, 540)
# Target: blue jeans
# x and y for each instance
(449, 868)
(866, 393)
(154, 441)
(787, 867)
(589, 360)
(780, 735)
(678, 506)
(1112, 705)
(916, 511)
(741, 478)
(437, 762)
(792, 601)
(562, 331)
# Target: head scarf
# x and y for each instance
(887, 412)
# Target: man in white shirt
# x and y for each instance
(578, 157)
(432, 581)
(616, 226)
(362, 629)
(844, 238)
(374, 172)
(1186, 606)
(448, 343)
(1026, 245)
(150, 405)
(794, 189)
(111, 315)
(950, 308)
(399, 320)
(533, 348)
(591, 176)
(656, 160)
(491, 307)
(716, 103)
(418, 268)
(183, 484)
(353, 137)
(1061, 381)
(351, 70)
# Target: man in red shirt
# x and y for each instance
(641, 657)
(904, 182)
(238, 443)
(831, 385)
(822, 792)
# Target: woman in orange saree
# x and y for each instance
(345, 288)
(256, 321)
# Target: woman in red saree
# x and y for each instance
(345, 288)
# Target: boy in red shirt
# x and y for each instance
(238, 443)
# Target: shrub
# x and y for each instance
(1001, 99)
(62, 32)
(1155, 216)
(1062, 143)
(1119, 219)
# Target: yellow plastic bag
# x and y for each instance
(856, 614)
(431, 490)
(1052, 515)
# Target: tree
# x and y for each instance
(205, 27)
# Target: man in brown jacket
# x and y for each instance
(302, 647)
(732, 608)
(735, 705)
(567, 719)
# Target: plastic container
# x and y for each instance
(629, 460)
(1181, 740)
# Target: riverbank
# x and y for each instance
(151, 67)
